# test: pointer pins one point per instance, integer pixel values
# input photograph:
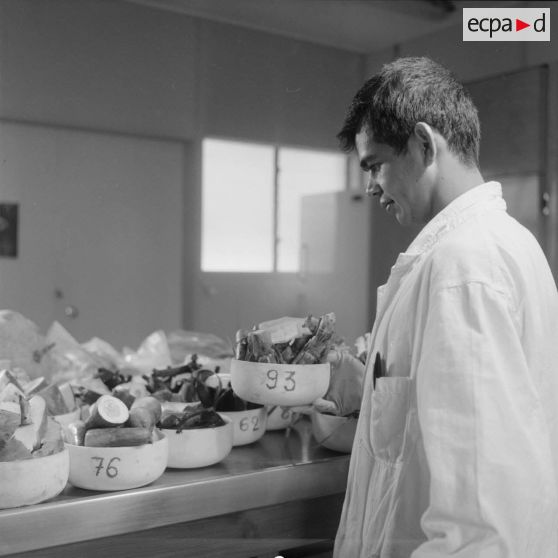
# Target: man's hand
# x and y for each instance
(345, 387)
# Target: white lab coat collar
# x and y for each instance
(484, 197)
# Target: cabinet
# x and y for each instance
(513, 114)
(335, 259)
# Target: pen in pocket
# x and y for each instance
(377, 371)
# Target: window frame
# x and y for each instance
(348, 179)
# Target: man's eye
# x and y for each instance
(375, 168)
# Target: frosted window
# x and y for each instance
(302, 172)
(237, 206)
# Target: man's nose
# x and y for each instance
(373, 188)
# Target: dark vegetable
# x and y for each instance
(125, 396)
(112, 378)
(86, 396)
(229, 401)
(189, 419)
(312, 348)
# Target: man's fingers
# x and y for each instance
(334, 357)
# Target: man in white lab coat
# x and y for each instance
(456, 451)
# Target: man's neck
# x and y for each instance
(455, 180)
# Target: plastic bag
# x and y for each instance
(184, 343)
(153, 353)
(212, 351)
(23, 346)
(106, 352)
(73, 362)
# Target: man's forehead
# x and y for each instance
(367, 149)
(365, 133)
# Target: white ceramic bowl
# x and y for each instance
(278, 418)
(35, 480)
(279, 384)
(67, 418)
(118, 468)
(248, 426)
(199, 447)
(333, 432)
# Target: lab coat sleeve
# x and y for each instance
(485, 439)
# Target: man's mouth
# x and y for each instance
(388, 205)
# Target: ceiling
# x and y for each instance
(362, 26)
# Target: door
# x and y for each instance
(100, 231)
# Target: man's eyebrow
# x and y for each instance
(367, 161)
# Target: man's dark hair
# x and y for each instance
(411, 90)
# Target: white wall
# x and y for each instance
(129, 68)
(108, 66)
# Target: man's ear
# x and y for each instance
(426, 141)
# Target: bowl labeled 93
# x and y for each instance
(279, 384)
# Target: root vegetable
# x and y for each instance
(117, 437)
(145, 412)
(107, 412)
(75, 433)
(68, 395)
(151, 403)
(142, 416)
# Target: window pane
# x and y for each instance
(302, 172)
(237, 206)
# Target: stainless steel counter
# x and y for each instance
(275, 470)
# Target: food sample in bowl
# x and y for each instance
(248, 425)
(287, 340)
(34, 465)
(117, 448)
(284, 362)
(334, 432)
(335, 416)
(198, 437)
(117, 465)
(59, 398)
(218, 400)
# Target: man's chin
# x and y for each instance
(404, 221)
(401, 218)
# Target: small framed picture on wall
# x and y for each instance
(8, 229)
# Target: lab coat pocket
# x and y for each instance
(390, 409)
